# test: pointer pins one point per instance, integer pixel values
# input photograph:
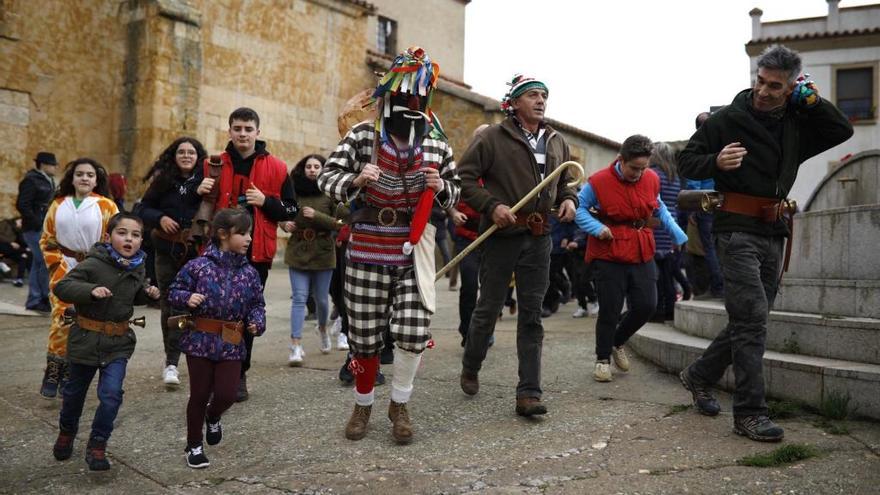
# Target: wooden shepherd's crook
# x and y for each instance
(578, 177)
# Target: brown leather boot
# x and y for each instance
(401, 426)
(356, 428)
(530, 406)
(470, 383)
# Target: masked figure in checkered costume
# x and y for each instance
(393, 169)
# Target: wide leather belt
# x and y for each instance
(179, 238)
(78, 255)
(536, 222)
(230, 331)
(641, 223)
(386, 217)
(115, 328)
(768, 210)
(308, 234)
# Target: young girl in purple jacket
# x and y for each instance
(223, 293)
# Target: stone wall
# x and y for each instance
(118, 81)
(303, 62)
(60, 85)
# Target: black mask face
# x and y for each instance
(401, 123)
(408, 120)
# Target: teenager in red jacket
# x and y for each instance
(256, 181)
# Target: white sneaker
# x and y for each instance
(621, 360)
(296, 355)
(325, 341)
(592, 308)
(337, 326)
(580, 313)
(602, 373)
(170, 376)
(4, 268)
(341, 342)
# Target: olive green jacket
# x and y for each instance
(312, 245)
(99, 270)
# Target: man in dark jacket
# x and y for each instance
(511, 158)
(753, 148)
(35, 192)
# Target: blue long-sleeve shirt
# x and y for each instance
(696, 184)
(588, 223)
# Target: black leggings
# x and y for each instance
(208, 377)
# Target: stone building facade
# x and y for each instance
(119, 80)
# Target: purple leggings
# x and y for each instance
(207, 377)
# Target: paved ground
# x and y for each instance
(621, 437)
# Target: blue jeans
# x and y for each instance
(300, 282)
(109, 393)
(38, 281)
(704, 227)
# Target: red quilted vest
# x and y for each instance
(620, 204)
(268, 175)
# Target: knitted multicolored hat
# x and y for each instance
(412, 72)
(519, 85)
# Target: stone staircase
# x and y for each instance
(823, 336)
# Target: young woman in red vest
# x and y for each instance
(619, 207)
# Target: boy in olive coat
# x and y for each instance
(103, 289)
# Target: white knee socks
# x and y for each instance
(405, 366)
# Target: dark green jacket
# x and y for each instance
(769, 167)
(318, 253)
(502, 157)
(97, 270)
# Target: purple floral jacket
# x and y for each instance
(232, 291)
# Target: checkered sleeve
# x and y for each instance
(346, 162)
(440, 153)
(452, 184)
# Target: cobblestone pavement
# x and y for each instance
(627, 436)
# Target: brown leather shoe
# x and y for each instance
(470, 383)
(401, 426)
(356, 428)
(530, 406)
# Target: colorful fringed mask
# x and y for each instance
(519, 85)
(403, 97)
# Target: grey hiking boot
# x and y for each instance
(758, 428)
(703, 400)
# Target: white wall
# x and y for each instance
(435, 25)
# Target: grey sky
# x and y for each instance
(622, 67)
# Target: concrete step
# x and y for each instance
(829, 297)
(786, 376)
(825, 336)
(834, 244)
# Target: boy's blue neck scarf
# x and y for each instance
(126, 263)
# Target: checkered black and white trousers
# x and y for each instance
(378, 297)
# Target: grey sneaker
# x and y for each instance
(703, 400)
(621, 360)
(758, 428)
(602, 372)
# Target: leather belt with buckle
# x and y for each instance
(386, 217)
